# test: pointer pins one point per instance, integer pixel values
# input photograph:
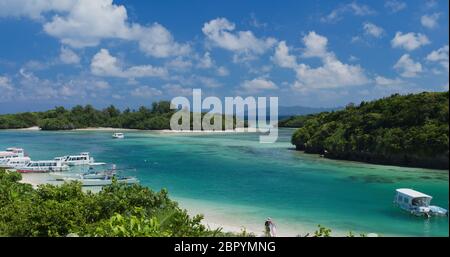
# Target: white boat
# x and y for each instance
(87, 175)
(104, 181)
(15, 162)
(43, 166)
(118, 135)
(417, 203)
(11, 153)
(78, 160)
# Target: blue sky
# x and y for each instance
(131, 53)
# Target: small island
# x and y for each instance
(406, 130)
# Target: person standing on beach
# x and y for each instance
(270, 228)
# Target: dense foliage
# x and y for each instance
(294, 121)
(157, 117)
(410, 130)
(117, 210)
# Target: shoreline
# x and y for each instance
(210, 218)
(215, 215)
(238, 130)
(163, 131)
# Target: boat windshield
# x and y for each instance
(421, 201)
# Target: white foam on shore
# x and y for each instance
(235, 218)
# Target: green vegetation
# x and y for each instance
(117, 210)
(410, 130)
(158, 117)
(155, 118)
(294, 121)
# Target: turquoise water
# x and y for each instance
(243, 182)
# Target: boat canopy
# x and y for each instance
(7, 154)
(412, 193)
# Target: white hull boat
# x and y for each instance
(417, 203)
(118, 136)
(102, 181)
(90, 175)
(82, 159)
(15, 162)
(11, 153)
(43, 167)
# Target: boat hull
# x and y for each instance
(101, 182)
(32, 171)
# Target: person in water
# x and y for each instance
(270, 228)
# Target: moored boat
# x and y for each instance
(78, 160)
(104, 181)
(43, 167)
(11, 153)
(417, 203)
(118, 135)
(87, 175)
(15, 162)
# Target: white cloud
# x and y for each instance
(33, 9)
(331, 74)
(5, 84)
(88, 22)
(84, 23)
(282, 57)
(145, 92)
(177, 90)
(440, 56)
(37, 65)
(383, 81)
(409, 41)
(431, 3)
(220, 32)
(157, 41)
(179, 64)
(373, 30)
(353, 58)
(430, 21)
(316, 45)
(68, 56)
(104, 64)
(407, 67)
(207, 82)
(352, 8)
(256, 23)
(257, 85)
(205, 62)
(394, 5)
(100, 85)
(67, 91)
(29, 87)
(222, 71)
(33, 87)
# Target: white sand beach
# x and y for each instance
(161, 131)
(104, 129)
(215, 216)
(35, 128)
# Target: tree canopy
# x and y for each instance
(117, 210)
(409, 130)
(155, 118)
